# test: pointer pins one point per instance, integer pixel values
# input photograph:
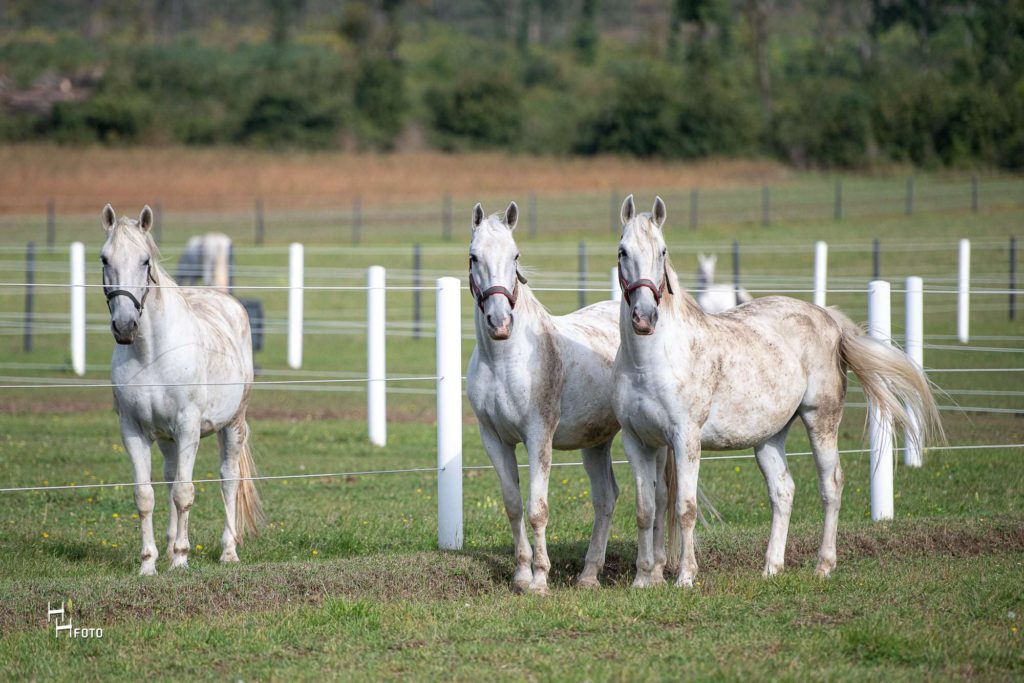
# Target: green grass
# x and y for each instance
(345, 579)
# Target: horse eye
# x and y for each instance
(146, 262)
(517, 257)
(103, 260)
(664, 252)
(472, 258)
(622, 253)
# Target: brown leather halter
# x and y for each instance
(658, 290)
(482, 295)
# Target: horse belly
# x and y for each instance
(733, 424)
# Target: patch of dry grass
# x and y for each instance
(221, 178)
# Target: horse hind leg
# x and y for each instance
(771, 458)
(604, 492)
(230, 441)
(823, 431)
(170, 451)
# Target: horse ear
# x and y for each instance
(146, 218)
(108, 217)
(659, 212)
(512, 216)
(628, 210)
(478, 215)
(712, 260)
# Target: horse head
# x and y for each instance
(494, 275)
(128, 270)
(643, 264)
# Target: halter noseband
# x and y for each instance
(482, 295)
(139, 304)
(657, 290)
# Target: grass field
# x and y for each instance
(345, 581)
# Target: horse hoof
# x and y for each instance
(148, 570)
(539, 589)
(588, 582)
(179, 563)
(642, 581)
(229, 557)
(685, 582)
(771, 570)
(823, 572)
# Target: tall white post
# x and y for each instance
(820, 272)
(376, 387)
(449, 414)
(963, 300)
(913, 345)
(616, 287)
(78, 307)
(295, 285)
(879, 423)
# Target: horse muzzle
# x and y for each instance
(124, 334)
(644, 324)
(502, 331)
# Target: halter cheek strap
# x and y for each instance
(657, 290)
(483, 295)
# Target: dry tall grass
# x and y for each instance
(78, 178)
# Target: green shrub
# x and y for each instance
(480, 109)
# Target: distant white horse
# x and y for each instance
(541, 380)
(712, 297)
(206, 260)
(739, 379)
(182, 370)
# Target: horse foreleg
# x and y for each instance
(687, 455)
(540, 472)
(184, 492)
(604, 492)
(170, 451)
(771, 458)
(644, 462)
(138, 446)
(503, 457)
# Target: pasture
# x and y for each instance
(346, 581)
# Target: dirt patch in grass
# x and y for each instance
(82, 179)
(106, 600)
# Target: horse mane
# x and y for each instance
(128, 229)
(677, 296)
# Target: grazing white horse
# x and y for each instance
(544, 381)
(206, 259)
(182, 369)
(737, 380)
(712, 297)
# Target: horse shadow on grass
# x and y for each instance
(567, 561)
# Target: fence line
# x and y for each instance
(411, 470)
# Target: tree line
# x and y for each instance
(819, 83)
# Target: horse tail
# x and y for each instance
(248, 508)
(891, 381)
(706, 511)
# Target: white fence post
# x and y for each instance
(879, 423)
(616, 287)
(449, 414)
(963, 300)
(78, 307)
(820, 273)
(295, 285)
(913, 345)
(376, 387)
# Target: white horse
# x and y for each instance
(544, 381)
(739, 379)
(712, 297)
(206, 259)
(182, 370)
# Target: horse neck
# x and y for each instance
(162, 317)
(679, 318)
(529, 315)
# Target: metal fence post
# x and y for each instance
(30, 285)
(837, 211)
(583, 274)
(446, 218)
(416, 283)
(258, 224)
(51, 223)
(876, 259)
(694, 208)
(357, 219)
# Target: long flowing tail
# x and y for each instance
(891, 382)
(248, 509)
(673, 538)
